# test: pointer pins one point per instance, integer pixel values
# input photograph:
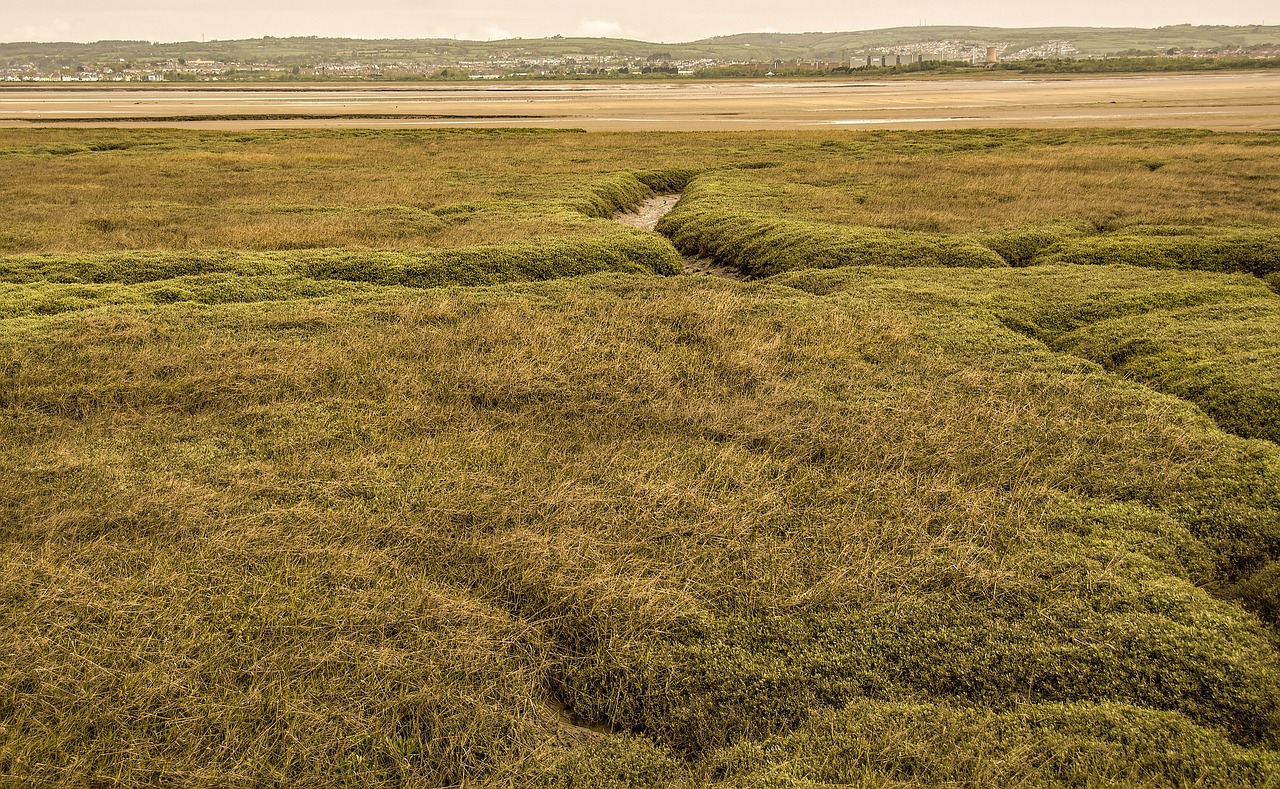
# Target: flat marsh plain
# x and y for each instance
(385, 457)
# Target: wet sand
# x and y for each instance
(1233, 101)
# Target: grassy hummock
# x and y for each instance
(1251, 250)
(626, 251)
(705, 223)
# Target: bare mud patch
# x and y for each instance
(646, 217)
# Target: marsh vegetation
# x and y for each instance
(343, 458)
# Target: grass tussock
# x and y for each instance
(1120, 745)
(40, 298)
(1217, 356)
(1023, 245)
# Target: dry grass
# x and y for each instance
(1202, 337)
(114, 190)
(106, 189)
(951, 184)
(361, 538)
(848, 526)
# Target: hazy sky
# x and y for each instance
(651, 20)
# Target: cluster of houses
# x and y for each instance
(512, 64)
(964, 51)
(120, 71)
(518, 63)
(496, 67)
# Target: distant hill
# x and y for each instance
(327, 58)
(1086, 41)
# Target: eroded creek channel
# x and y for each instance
(646, 216)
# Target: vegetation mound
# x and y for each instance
(872, 743)
(1022, 245)
(1201, 337)
(482, 265)
(1252, 250)
(705, 223)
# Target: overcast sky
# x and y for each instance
(654, 20)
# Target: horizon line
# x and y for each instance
(265, 37)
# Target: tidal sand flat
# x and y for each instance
(1243, 101)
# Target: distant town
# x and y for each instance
(312, 59)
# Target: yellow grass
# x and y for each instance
(862, 526)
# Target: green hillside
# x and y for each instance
(308, 51)
(1088, 40)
